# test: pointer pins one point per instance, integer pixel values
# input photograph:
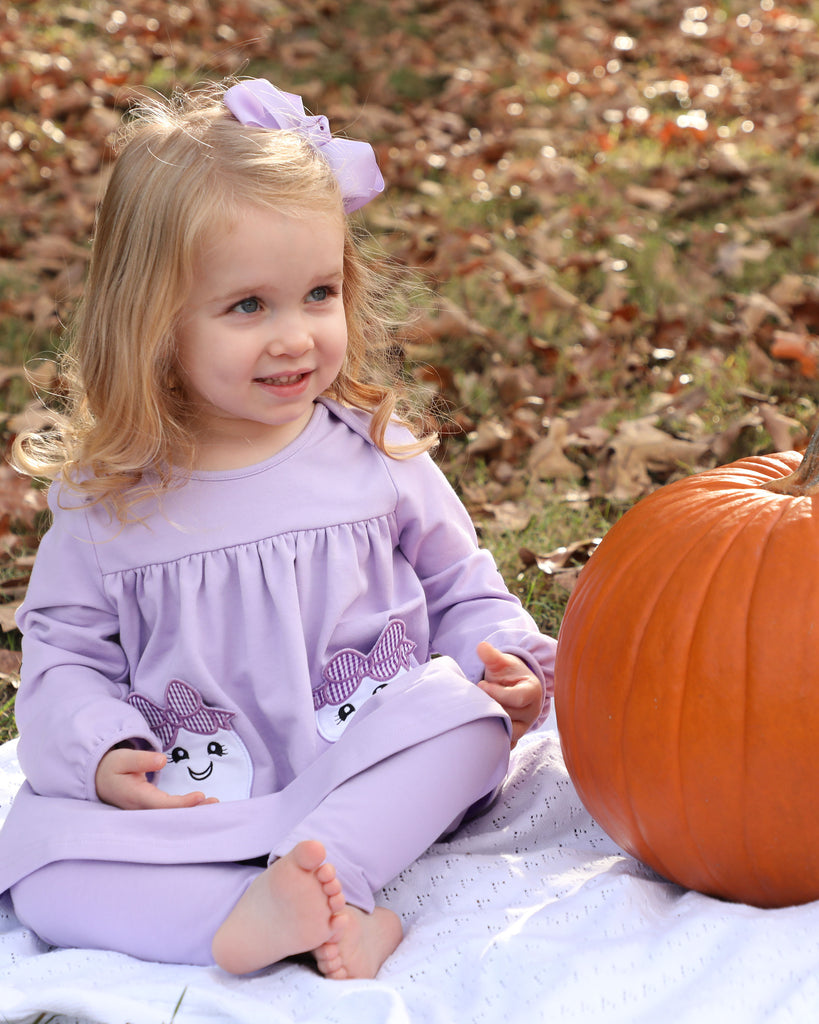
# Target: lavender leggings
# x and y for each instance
(373, 826)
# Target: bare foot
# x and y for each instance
(290, 908)
(361, 943)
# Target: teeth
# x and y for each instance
(293, 378)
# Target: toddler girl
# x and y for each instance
(232, 726)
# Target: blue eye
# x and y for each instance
(248, 305)
(322, 293)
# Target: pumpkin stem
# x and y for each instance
(804, 481)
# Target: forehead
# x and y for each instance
(264, 250)
(253, 232)
(249, 217)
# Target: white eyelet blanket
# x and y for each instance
(530, 914)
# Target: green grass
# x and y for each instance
(8, 727)
(555, 523)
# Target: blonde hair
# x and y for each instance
(186, 169)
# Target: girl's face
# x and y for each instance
(262, 332)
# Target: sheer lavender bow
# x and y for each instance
(183, 709)
(345, 670)
(262, 105)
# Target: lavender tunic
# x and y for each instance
(240, 627)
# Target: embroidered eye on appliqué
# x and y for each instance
(352, 678)
(208, 764)
(203, 750)
(346, 710)
(332, 720)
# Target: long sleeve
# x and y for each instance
(467, 598)
(70, 709)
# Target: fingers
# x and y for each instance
(518, 691)
(149, 798)
(127, 761)
(509, 681)
(491, 656)
(122, 780)
(146, 762)
(500, 667)
(507, 670)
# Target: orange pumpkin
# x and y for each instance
(687, 681)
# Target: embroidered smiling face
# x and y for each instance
(333, 719)
(351, 678)
(218, 765)
(204, 752)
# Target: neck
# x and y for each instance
(227, 450)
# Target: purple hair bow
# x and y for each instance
(259, 104)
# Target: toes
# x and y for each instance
(339, 922)
(328, 957)
(336, 902)
(326, 874)
(331, 888)
(309, 855)
(329, 960)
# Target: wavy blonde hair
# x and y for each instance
(185, 170)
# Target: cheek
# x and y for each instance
(336, 347)
(209, 364)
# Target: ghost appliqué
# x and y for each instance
(352, 678)
(204, 752)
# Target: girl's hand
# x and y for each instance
(122, 780)
(511, 682)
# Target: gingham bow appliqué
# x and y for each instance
(183, 709)
(344, 671)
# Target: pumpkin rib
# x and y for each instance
(772, 886)
(630, 695)
(736, 537)
(591, 590)
(594, 590)
(761, 511)
(633, 528)
(569, 706)
(784, 508)
(751, 468)
(661, 859)
(689, 823)
(566, 704)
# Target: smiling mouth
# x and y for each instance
(283, 381)
(201, 776)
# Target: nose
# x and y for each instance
(289, 334)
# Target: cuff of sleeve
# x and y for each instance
(546, 682)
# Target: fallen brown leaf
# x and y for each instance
(800, 347)
(10, 662)
(546, 458)
(7, 613)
